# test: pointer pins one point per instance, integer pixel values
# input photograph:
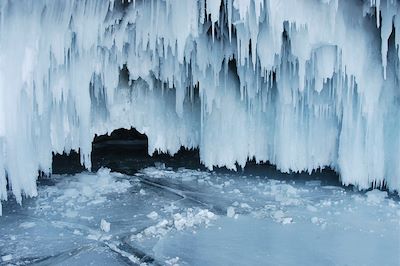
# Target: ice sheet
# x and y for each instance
(165, 216)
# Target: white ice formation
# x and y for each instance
(303, 84)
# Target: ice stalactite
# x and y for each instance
(303, 84)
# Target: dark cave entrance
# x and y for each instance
(125, 151)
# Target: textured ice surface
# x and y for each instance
(162, 216)
(300, 83)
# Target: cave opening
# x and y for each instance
(126, 151)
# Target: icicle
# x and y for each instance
(293, 82)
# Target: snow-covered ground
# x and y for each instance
(162, 216)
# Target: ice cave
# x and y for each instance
(199, 132)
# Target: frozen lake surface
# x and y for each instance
(165, 216)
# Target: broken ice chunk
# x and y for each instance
(105, 226)
(230, 212)
(153, 215)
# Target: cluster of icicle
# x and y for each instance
(303, 84)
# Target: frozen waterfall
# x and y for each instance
(303, 84)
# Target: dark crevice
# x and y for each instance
(126, 151)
